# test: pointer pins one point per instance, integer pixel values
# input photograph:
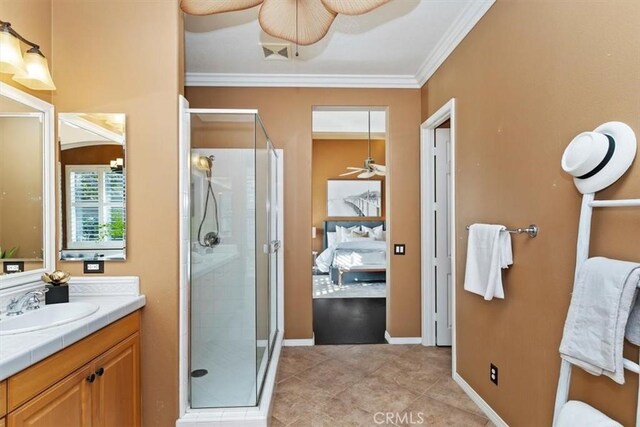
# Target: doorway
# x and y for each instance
(349, 225)
(438, 228)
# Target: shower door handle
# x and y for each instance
(274, 246)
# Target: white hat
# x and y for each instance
(598, 159)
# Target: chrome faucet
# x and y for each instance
(30, 300)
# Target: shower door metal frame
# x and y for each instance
(184, 149)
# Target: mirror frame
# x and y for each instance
(48, 187)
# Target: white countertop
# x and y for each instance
(20, 351)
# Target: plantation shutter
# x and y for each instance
(95, 207)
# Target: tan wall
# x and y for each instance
(330, 159)
(132, 68)
(527, 79)
(32, 19)
(21, 187)
(286, 113)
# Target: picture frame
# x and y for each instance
(354, 198)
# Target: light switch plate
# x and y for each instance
(9, 267)
(398, 249)
(94, 267)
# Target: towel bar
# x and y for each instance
(531, 230)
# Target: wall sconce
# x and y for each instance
(314, 232)
(32, 70)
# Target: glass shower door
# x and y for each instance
(233, 258)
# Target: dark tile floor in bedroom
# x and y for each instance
(370, 385)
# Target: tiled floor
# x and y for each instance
(370, 385)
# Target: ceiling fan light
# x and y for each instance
(37, 75)
(312, 21)
(11, 61)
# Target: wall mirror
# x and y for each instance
(91, 166)
(26, 187)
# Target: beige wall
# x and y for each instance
(21, 187)
(330, 159)
(32, 19)
(527, 79)
(123, 57)
(286, 113)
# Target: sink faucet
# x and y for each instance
(30, 299)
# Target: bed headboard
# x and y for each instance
(330, 226)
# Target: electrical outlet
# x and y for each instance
(398, 249)
(493, 374)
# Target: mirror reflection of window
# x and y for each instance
(93, 199)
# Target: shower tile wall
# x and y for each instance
(223, 323)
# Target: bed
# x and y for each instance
(359, 260)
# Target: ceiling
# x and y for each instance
(399, 44)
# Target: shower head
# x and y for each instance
(205, 164)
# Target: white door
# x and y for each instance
(441, 267)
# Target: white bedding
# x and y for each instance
(359, 253)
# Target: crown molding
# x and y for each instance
(301, 80)
(469, 17)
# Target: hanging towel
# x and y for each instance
(633, 325)
(594, 331)
(488, 252)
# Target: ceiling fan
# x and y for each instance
(370, 168)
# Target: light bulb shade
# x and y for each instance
(37, 76)
(11, 61)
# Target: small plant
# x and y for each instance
(8, 253)
(113, 230)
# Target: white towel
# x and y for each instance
(633, 325)
(594, 331)
(488, 252)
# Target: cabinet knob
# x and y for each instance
(100, 371)
(91, 378)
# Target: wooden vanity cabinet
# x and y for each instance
(3, 402)
(103, 392)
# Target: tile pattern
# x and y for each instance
(370, 385)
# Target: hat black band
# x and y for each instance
(605, 160)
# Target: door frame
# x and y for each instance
(427, 136)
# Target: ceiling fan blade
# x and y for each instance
(351, 173)
(381, 173)
(355, 169)
(366, 174)
(381, 168)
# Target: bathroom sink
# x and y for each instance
(45, 317)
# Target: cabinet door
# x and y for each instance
(68, 403)
(116, 392)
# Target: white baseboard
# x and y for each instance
(402, 340)
(300, 343)
(478, 400)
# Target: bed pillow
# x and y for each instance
(376, 233)
(359, 233)
(343, 232)
(332, 237)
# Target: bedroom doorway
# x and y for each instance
(349, 224)
(437, 168)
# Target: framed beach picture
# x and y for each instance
(354, 198)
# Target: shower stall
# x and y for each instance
(231, 269)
